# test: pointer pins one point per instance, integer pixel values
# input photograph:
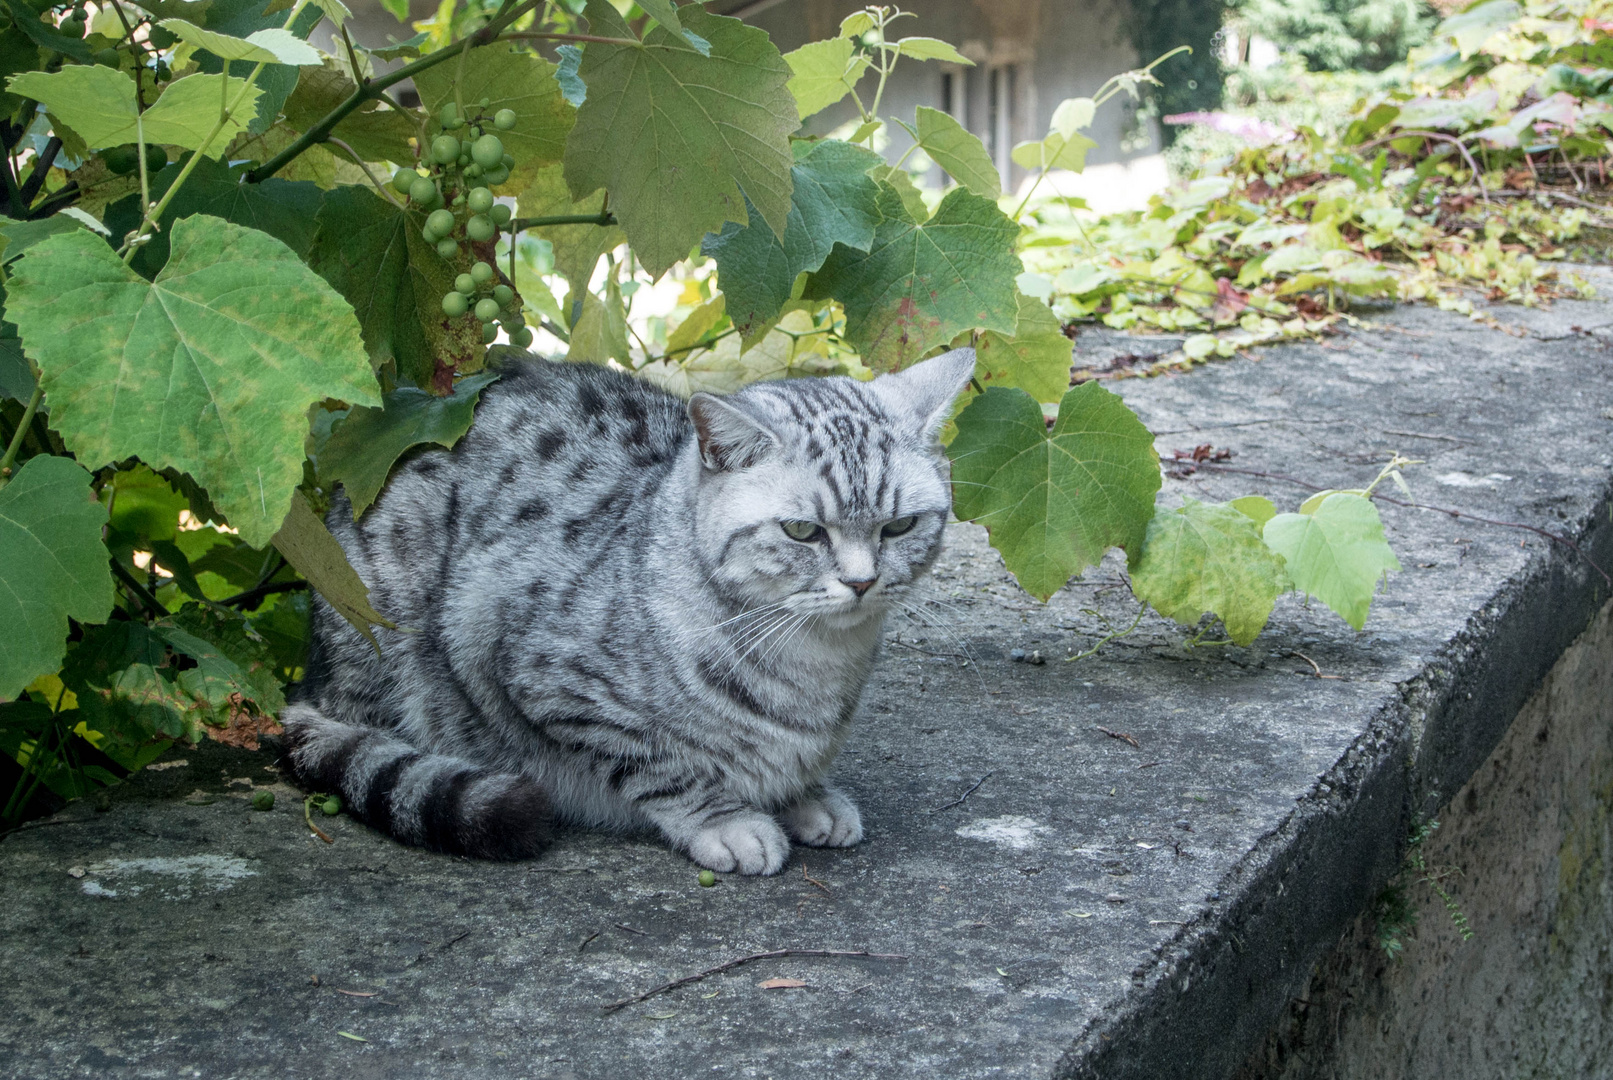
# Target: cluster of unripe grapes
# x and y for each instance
(454, 184)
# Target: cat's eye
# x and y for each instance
(804, 531)
(899, 526)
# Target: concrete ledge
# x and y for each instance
(1091, 910)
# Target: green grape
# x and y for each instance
(156, 157)
(447, 249)
(481, 273)
(454, 305)
(465, 284)
(422, 190)
(448, 115)
(508, 161)
(331, 806)
(487, 309)
(479, 228)
(263, 800)
(108, 58)
(441, 222)
(488, 152)
(486, 102)
(472, 171)
(501, 215)
(489, 332)
(402, 179)
(463, 160)
(504, 119)
(444, 149)
(502, 295)
(480, 200)
(459, 200)
(121, 160)
(73, 26)
(498, 176)
(707, 879)
(522, 338)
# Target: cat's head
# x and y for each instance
(826, 496)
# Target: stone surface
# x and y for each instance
(1092, 908)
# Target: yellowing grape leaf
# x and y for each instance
(1054, 501)
(53, 566)
(98, 103)
(823, 72)
(209, 369)
(918, 285)
(681, 140)
(833, 201)
(1336, 553)
(374, 132)
(1036, 357)
(1204, 558)
(962, 154)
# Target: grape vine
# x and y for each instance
(238, 271)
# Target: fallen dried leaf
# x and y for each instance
(780, 984)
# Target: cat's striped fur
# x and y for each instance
(603, 621)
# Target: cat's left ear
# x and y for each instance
(928, 389)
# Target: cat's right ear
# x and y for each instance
(729, 439)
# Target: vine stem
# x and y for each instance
(22, 430)
(521, 224)
(528, 35)
(373, 89)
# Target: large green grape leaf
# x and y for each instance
(522, 83)
(951, 146)
(318, 556)
(285, 209)
(665, 12)
(681, 140)
(372, 252)
(1336, 553)
(220, 682)
(209, 369)
(834, 201)
(98, 104)
(1054, 501)
(1208, 558)
(363, 446)
(374, 132)
(920, 284)
(577, 248)
(823, 72)
(1036, 357)
(53, 566)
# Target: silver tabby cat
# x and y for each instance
(622, 610)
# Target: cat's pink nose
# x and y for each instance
(859, 587)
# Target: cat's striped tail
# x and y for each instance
(428, 800)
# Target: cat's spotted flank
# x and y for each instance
(618, 609)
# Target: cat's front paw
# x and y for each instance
(751, 843)
(828, 819)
